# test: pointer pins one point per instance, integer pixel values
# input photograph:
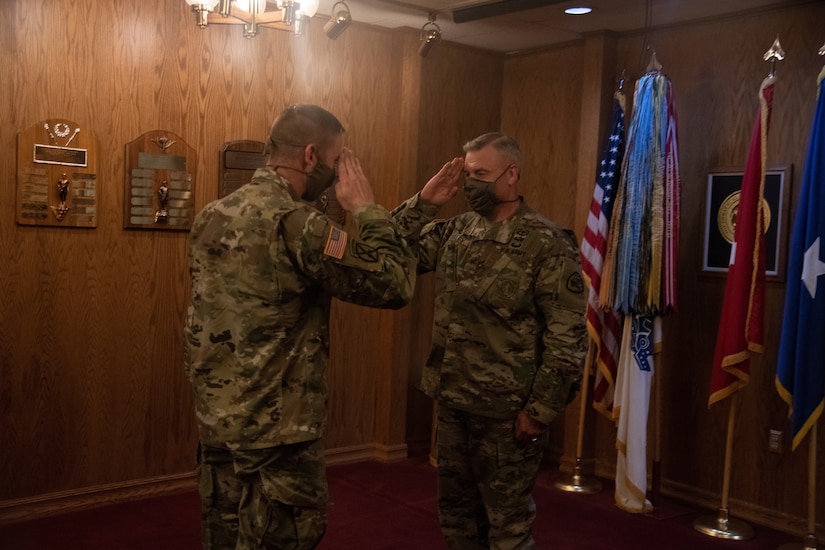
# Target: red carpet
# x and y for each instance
(379, 506)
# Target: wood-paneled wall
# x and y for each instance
(716, 68)
(94, 395)
(95, 400)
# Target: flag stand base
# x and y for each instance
(722, 527)
(809, 543)
(576, 483)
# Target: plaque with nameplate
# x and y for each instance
(238, 162)
(160, 179)
(57, 175)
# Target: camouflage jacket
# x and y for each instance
(509, 331)
(263, 268)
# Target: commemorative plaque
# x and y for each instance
(238, 162)
(57, 175)
(160, 176)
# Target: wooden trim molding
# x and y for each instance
(49, 504)
(12, 511)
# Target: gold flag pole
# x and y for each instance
(656, 470)
(810, 541)
(576, 483)
(722, 526)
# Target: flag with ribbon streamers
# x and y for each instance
(638, 278)
(603, 326)
(639, 273)
(741, 328)
(800, 374)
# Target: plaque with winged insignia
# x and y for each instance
(160, 178)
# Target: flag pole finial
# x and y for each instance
(654, 65)
(775, 53)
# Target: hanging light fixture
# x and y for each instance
(303, 13)
(202, 9)
(430, 36)
(339, 22)
(285, 15)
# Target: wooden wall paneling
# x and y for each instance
(541, 109)
(396, 359)
(362, 360)
(90, 351)
(459, 99)
(599, 82)
(91, 348)
(716, 67)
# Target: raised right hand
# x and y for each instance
(444, 185)
(353, 189)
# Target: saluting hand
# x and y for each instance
(444, 185)
(353, 188)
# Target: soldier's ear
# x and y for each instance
(310, 154)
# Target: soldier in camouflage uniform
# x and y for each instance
(264, 266)
(509, 341)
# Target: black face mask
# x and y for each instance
(481, 194)
(318, 180)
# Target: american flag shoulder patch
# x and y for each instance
(336, 243)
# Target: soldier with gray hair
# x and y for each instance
(264, 266)
(509, 341)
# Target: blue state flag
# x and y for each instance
(800, 374)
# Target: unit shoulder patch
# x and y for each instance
(575, 283)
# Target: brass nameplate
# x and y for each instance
(161, 162)
(67, 156)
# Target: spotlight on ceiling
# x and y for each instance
(430, 36)
(578, 11)
(339, 22)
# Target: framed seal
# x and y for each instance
(720, 209)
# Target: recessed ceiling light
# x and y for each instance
(577, 11)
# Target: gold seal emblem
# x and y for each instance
(726, 217)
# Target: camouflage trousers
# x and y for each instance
(273, 498)
(485, 482)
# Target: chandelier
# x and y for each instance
(285, 15)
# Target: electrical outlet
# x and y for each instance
(775, 441)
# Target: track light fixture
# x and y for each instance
(430, 36)
(290, 15)
(340, 20)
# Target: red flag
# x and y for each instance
(742, 323)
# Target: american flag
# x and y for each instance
(604, 326)
(336, 243)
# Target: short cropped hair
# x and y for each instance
(502, 143)
(301, 124)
